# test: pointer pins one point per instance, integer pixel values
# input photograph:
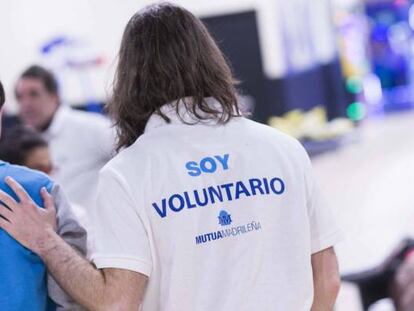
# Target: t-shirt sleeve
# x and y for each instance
(71, 229)
(70, 226)
(324, 228)
(120, 238)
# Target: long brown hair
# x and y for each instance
(167, 54)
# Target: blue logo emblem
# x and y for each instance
(224, 218)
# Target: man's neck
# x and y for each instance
(46, 126)
(49, 122)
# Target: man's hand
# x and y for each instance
(33, 227)
(24, 220)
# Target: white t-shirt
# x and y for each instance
(81, 144)
(219, 217)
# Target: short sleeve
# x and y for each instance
(120, 238)
(324, 228)
(73, 231)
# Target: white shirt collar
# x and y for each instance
(57, 123)
(183, 116)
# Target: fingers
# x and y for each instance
(47, 200)
(18, 190)
(7, 200)
(5, 225)
(6, 213)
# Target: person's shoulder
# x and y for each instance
(137, 157)
(136, 153)
(25, 176)
(270, 135)
(84, 118)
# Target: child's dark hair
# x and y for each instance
(18, 142)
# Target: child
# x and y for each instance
(24, 282)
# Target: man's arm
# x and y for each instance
(73, 231)
(326, 280)
(106, 289)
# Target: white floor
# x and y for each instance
(370, 184)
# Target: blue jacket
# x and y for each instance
(23, 274)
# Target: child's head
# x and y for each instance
(24, 146)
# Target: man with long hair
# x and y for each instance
(202, 209)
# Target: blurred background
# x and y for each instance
(336, 74)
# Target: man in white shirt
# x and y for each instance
(202, 209)
(80, 143)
